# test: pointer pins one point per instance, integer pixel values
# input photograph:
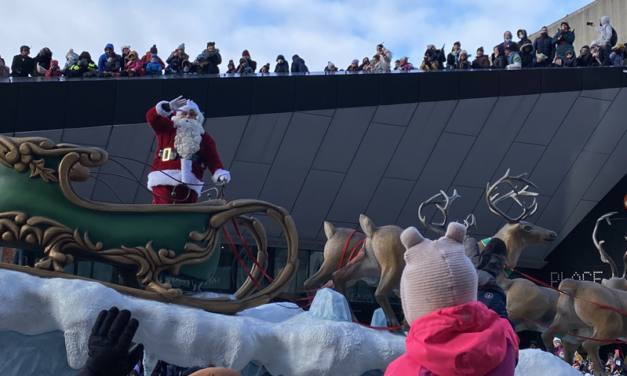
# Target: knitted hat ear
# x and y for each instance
(456, 231)
(411, 237)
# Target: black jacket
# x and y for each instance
(584, 61)
(499, 63)
(603, 57)
(283, 67)
(22, 66)
(298, 65)
(570, 63)
(545, 46)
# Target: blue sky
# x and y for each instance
(318, 30)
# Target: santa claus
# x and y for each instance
(184, 151)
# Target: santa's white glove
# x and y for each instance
(223, 179)
(177, 103)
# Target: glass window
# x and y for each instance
(296, 287)
(103, 272)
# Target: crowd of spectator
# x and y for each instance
(545, 51)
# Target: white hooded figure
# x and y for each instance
(606, 32)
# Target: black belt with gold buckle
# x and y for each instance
(169, 154)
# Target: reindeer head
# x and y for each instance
(444, 206)
(619, 283)
(517, 233)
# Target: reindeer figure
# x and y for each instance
(380, 261)
(517, 233)
(577, 313)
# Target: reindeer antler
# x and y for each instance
(599, 244)
(494, 200)
(444, 206)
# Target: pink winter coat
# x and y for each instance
(461, 341)
(137, 65)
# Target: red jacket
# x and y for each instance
(178, 169)
(466, 340)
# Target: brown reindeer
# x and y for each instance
(517, 233)
(577, 313)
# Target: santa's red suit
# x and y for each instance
(184, 151)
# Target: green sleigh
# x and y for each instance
(40, 211)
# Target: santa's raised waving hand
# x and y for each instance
(184, 151)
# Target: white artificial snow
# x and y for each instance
(378, 319)
(330, 305)
(279, 337)
(299, 346)
(534, 362)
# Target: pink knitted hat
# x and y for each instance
(437, 273)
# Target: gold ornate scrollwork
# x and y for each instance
(59, 241)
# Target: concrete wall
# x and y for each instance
(616, 9)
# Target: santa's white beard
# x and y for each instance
(188, 136)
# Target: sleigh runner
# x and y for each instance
(40, 211)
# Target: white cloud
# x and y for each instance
(318, 30)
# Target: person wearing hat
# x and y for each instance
(463, 62)
(526, 54)
(109, 52)
(42, 61)
(126, 49)
(558, 349)
(499, 61)
(430, 61)
(244, 66)
(147, 58)
(330, 67)
(453, 57)
(618, 55)
(208, 60)
(514, 61)
(184, 151)
(282, 66)
(451, 333)
(482, 61)
(508, 41)
(55, 70)
(541, 61)
(570, 61)
(298, 65)
(583, 60)
(251, 62)
(606, 31)
(23, 65)
(354, 67)
(406, 65)
(176, 59)
(564, 39)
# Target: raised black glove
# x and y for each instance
(110, 352)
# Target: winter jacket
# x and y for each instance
(407, 67)
(146, 59)
(4, 70)
(54, 73)
(463, 64)
(565, 44)
(606, 32)
(452, 59)
(504, 45)
(499, 62)
(209, 61)
(617, 59)
(526, 54)
(298, 65)
(181, 57)
(153, 68)
(80, 68)
(430, 66)
(514, 61)
(481, 62)
(601, 60)
(22, 66)
(466, 340)
(584, 60)
(386, 60)
(283, 67)
(570, 63)
(113, 66)
(544, 45)
(524, 40)
(102, 61)
(137, 65)
(252, 64)
(245, 70)
(43, 61)
(353, 69)
(176, 62)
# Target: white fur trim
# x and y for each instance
(186, 171)
(156, 178)
(220, 172)
(160, 110)
(190, 106)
